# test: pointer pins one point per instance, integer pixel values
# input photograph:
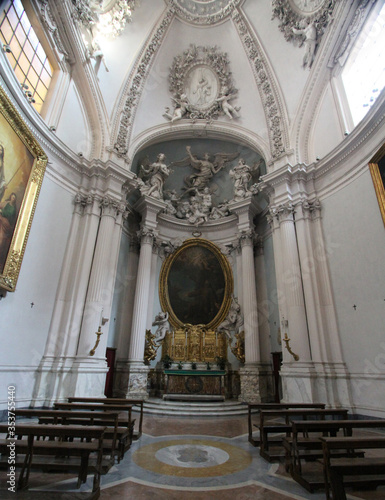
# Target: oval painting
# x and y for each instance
(197, 283)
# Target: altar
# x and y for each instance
(195, 383)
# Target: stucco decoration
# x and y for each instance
(203, 12)
(201, 85)
(303, 22)
(267, 87)
(51, 27)
(360, 16)
(104, 17)
(137, 80)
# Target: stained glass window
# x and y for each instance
(25, 53)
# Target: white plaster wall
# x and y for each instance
(326, 133)
(120, 54)
(72, 127)
(156, 95)
(355, 238)
(24, 329)
(287, 57)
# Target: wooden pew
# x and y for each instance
(358, 472)
(114, 436)
(266, 427)
(28, 442)
(258, 407)
(129, 401)
(124, 422)
(305, 445)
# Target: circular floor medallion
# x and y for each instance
(185, 455)
(192, 458)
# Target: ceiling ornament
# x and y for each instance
(303, 22)
(267, 88)
(203, 12)
(354, 29)
(103, 17)
(52, 28)
(201, 85)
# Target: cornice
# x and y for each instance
(314, 90)
(211, 226)
(342, 165)
(199, 130)
(64, 166)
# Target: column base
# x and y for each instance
(59, 378)
(250, 384)
(131, 380)
(316, 383)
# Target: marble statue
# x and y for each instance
(161, 321)
(242, 174)
(308, 32)
(233, 321)
(157, 174)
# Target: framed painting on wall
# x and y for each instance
(22, 167)
(196, 285)
(377, 169)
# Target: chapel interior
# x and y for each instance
(192, 214)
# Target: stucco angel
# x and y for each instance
(161, 321)
(207, 167)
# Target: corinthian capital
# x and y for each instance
(247, 238)
(146, 235)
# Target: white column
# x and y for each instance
(68, 309)
(139, 319)
(292, 280)
(249, 374)
(250, 312)
(332, 384)
(88, 373)
(310, 286)
(266, 387)
(125, 318)
(100, 286)
(136, 369)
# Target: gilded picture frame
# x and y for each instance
(377, 170)
(196, 285)
(22, 167)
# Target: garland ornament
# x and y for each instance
(201, 85)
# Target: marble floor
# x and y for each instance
(194, 459)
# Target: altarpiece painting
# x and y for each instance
(196, 287)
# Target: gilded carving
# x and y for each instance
(22, 166)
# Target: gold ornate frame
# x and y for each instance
(24, 138)
(377, 179)
(225, 266)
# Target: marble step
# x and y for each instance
(188, 408)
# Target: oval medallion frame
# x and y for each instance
(180, 302)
